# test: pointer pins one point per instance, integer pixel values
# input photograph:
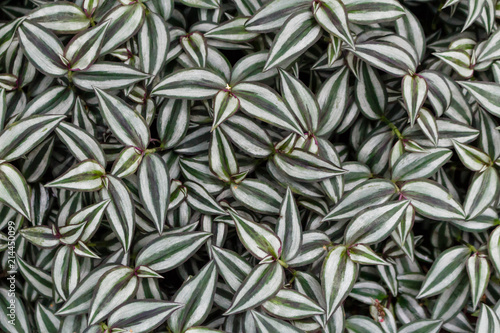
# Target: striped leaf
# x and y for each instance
(428, 125)
(267, 324)
(478, 270)
(154, 42)
(41, 236)
(487, 94)
(60, 17)
(195, 46)
(288, 227)
(332, 16)
(488, 321)
(414, 90)
(190, 83)
(107, 76)
(42, 48)
(170, 250)
(453, 300)
(14, 192)
(231, 266)
(22, 136)
(46, 321)
(20, 324)
(232, 31)
(79, 300)
(367, 194)
(459, 60)
(338, 275)
(199, 198)
(173, 122)
(225, 105)
(142, 315)
(291, 305)
(494, 249)
(474, 11)
(273, 15)
(56, 100)
(197, 294)
(37, 278)
(204, 4)
(473, 158)
(125, 21)
(154, 189)
(313, 248)
(363, 255)
(92, 216)
(85, 176)
(80, 143)
(483, 190)
(127, 125)
(127, 162)
(376, 224)
(432, 200)
(371, 94)
(83, 49)
(258, 240)
(262, 284)
(420, 165)
(221, 157)
(261, 102)
(120, 211)
(447, 267)
(65, 271)
(368, 11)
(422, 326)
(257, 195)
(439, 93)
(114, 288)
(298, 33)
(7, 33)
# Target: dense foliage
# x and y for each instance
(250, 166)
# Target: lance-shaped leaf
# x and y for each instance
(85, 176)
(388, 55)
(7, 31)
(82, 145)
(170, 250)
(488, 321)
(192, 83)
(79, 300)
(483, 190)
(120, 211)
(92, 215)
(371, 94)
(478, 270)
(232, 31)
(225, 105)
(363, 255)
(127, 125)
(37, 278)
(373, 11)
(41, 236)
(292, 305)
(289, 227)
(142, 315)
(332, 16)
(42, 48)
(300, 100)
(459, 60)
(154, 189)
(83, 49)
(257, 196)
(338, 275)
(46, 321)
(231, 266)
(154, 42)
(65, 271)
(247, 135)
(420, 165)
(313, 247)
(114, 288)
(60, 17)
(173, 122)
(432, 200)
(222, 159)
(107, 76)
(304, 166)
(197, 294)
(428, 125)
(204, 4)
(267, 324)
(474, 11)
(414, 89)
(14, 192)
(487, 94)
(124, 23)
(494, 248)
(263, 103)
(127, 162)
(369, 193)
(258, 240)
(375, 224)
(195, 46)
(56, 100)
(272, 15)
(21, 322)
(22, 136)
(444, 271)
(439, 93)
(422, 326)
(490, 50)
(299, 32)
(453, 300)
(473, 158)
(201, 200)
(262, 284)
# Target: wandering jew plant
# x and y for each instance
(246, 166)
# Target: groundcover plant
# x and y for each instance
(250, 166)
